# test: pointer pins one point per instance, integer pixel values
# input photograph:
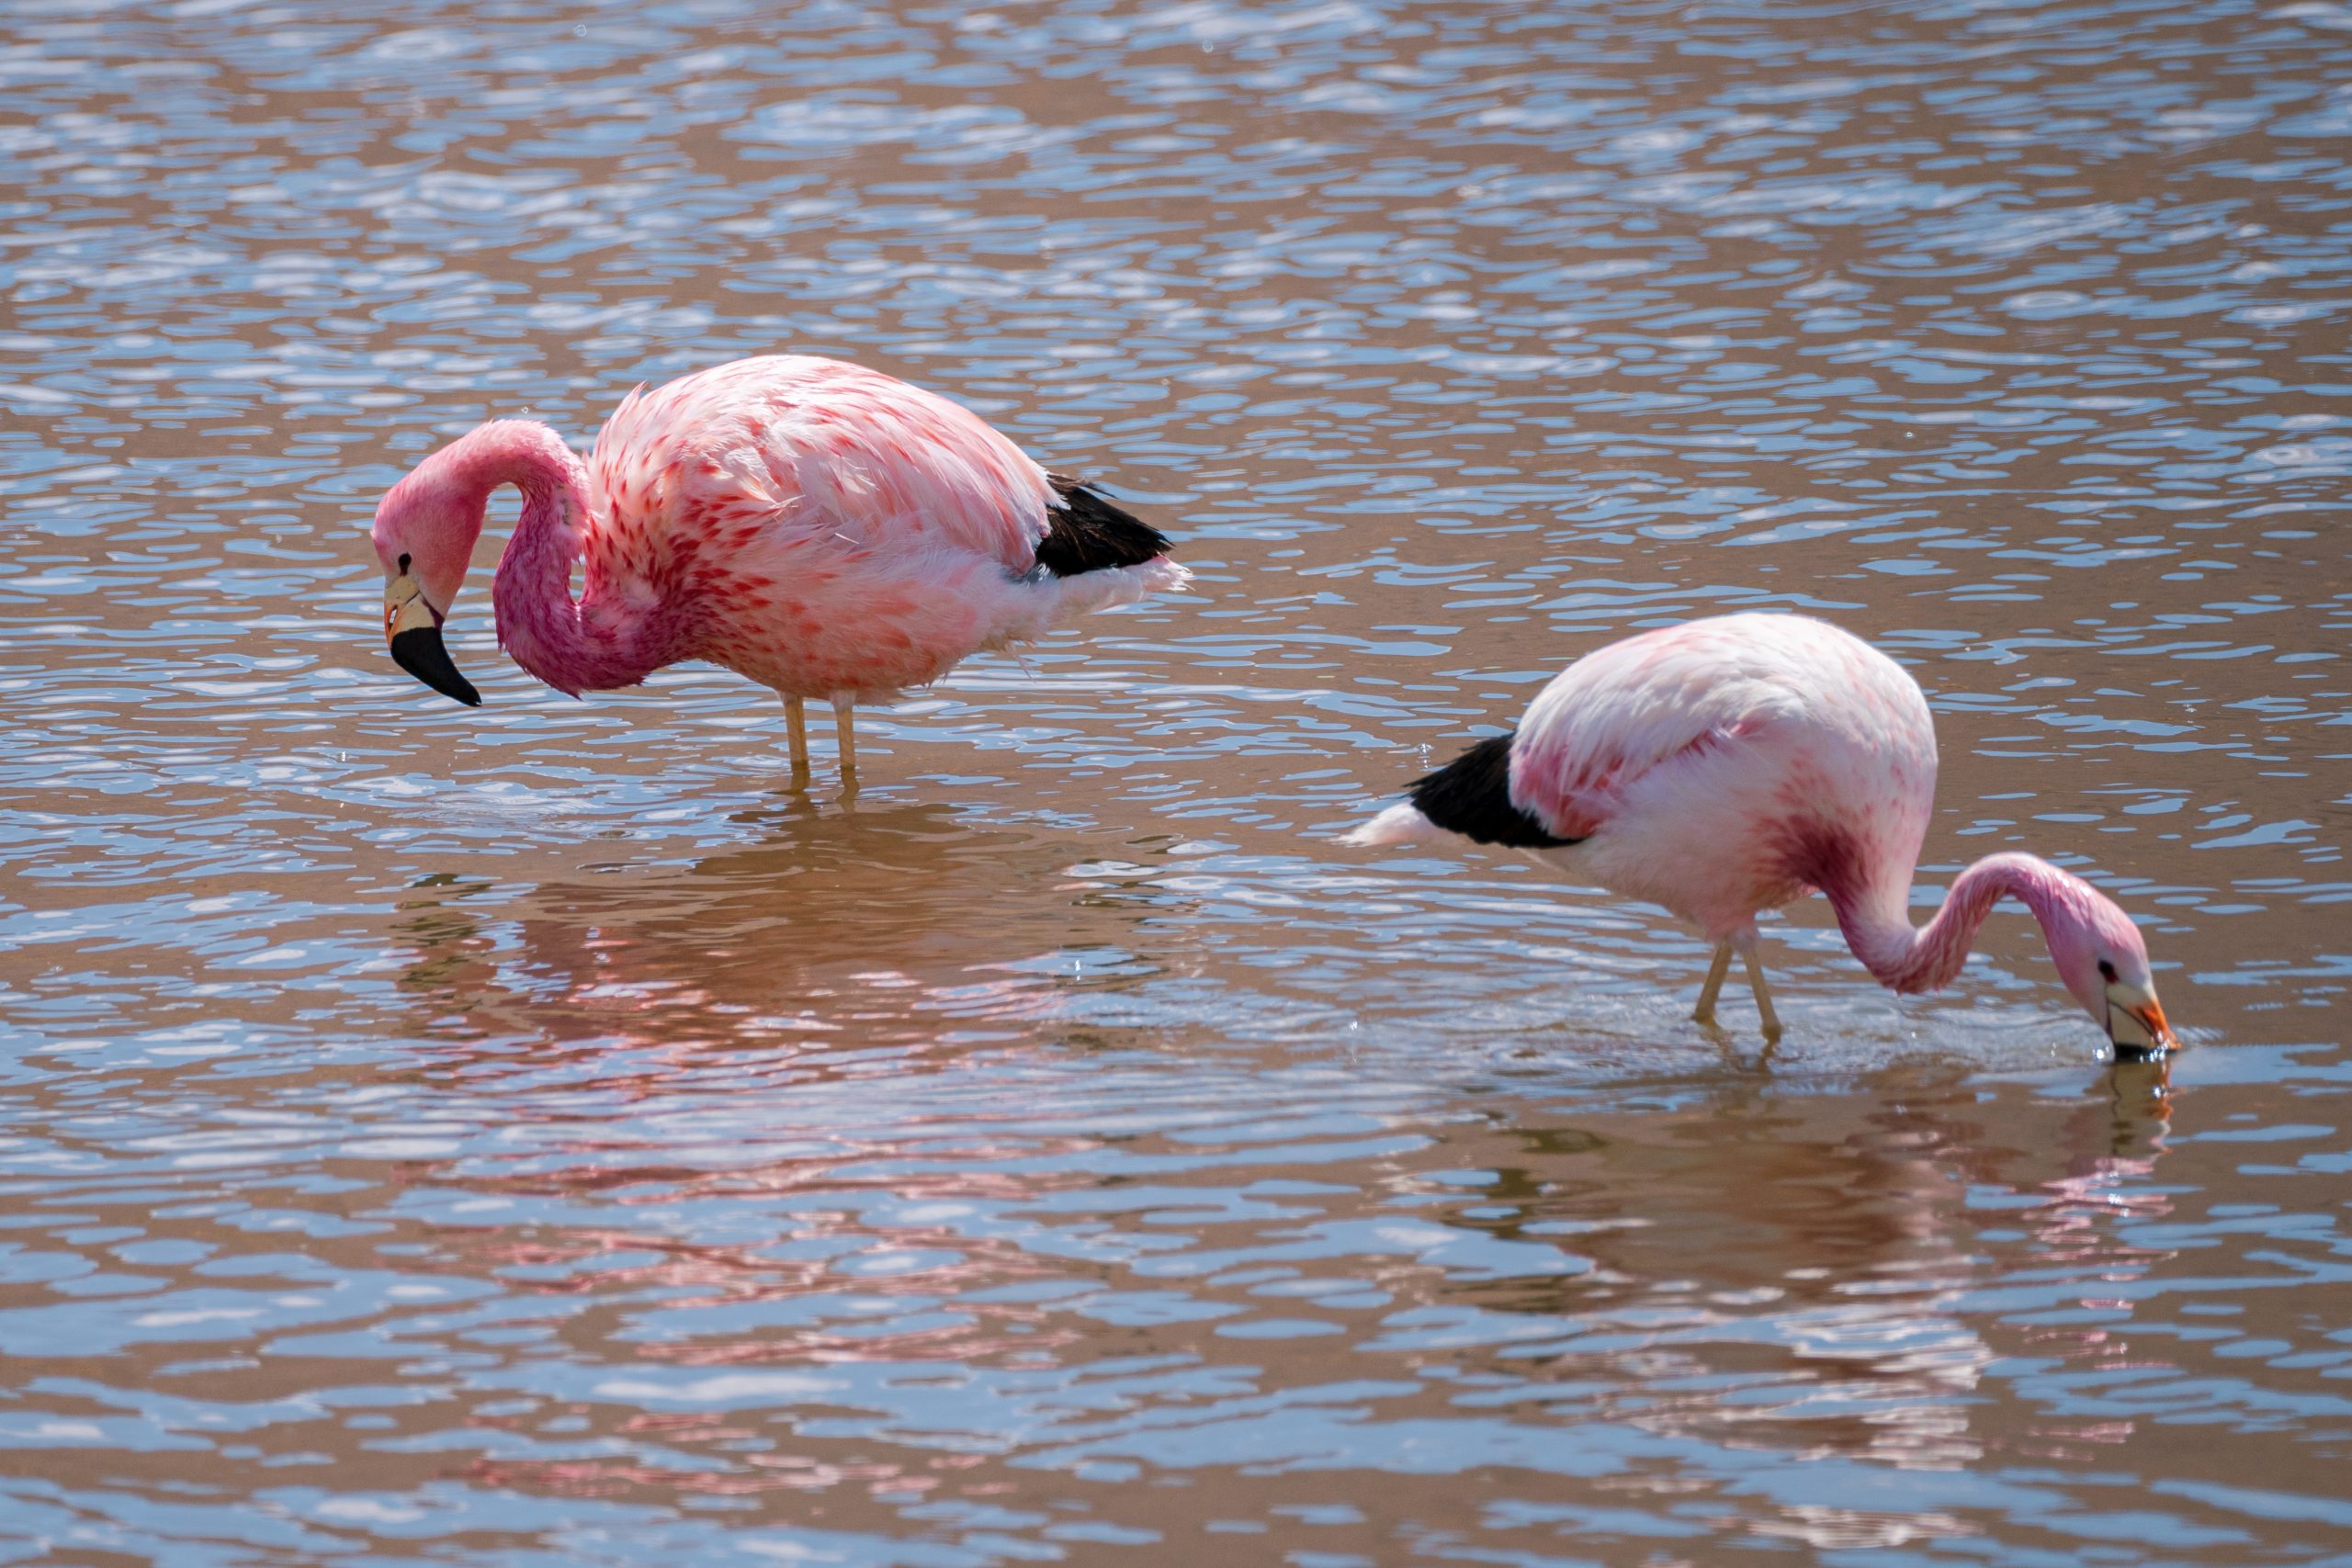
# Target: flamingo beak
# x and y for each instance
(412, 631)
(2136, 1025)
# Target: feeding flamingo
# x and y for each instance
(1734, 764)
(824, 529)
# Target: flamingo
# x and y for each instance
(822, 529)
(1734, 764)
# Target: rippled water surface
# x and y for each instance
(538, 1135)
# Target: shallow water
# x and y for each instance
(538, 1135)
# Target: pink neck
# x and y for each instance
(1908, 960)
(585, 644)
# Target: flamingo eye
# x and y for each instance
(404, 563)
(2106, 971)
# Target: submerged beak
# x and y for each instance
(2138, 1028)
(412, 631)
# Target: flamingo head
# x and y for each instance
(425, 533)
(2104, 963)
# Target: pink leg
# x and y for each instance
(1713, 987)
(845, 728)
(796, 725)
(1763, 997)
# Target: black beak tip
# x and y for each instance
(419, 651)
(2128, 1050)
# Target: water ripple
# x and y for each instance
(538, 1135)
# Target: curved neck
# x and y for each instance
(575, 646)
(1924, 960)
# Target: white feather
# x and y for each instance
(1399, 824)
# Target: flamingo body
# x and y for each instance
(822, 529)
(834, 528)
(1735, 765)
(1732, 765)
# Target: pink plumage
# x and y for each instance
(1732, 765)
(820, 528)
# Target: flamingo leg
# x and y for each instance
(845, 724)
(1713, 987)
(795, 725)
(1763, 998)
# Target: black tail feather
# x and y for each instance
(1087, 533)
(1471, 795)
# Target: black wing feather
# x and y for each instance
(1471, 795)
(1087, 533)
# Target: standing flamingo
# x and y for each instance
(824, 529)
(1734, 764)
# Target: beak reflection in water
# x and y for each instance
(412, 631)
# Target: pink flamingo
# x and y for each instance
(824, 529)
(1735, 765)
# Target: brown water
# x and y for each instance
(537, 1136)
